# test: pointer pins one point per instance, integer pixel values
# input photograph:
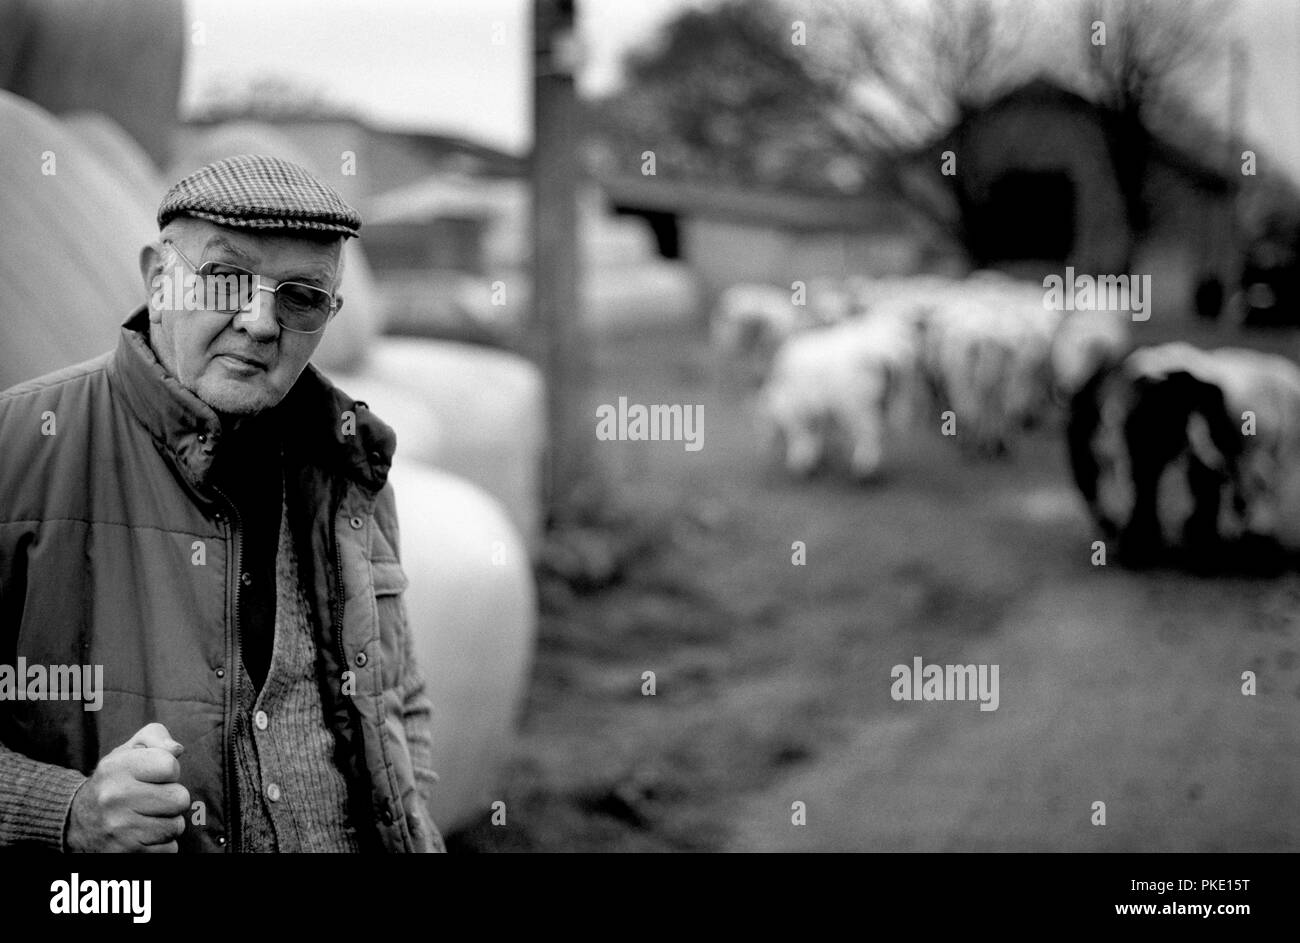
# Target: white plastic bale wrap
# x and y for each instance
(120, 154)
(419, 437)
(69, 246)
(490, 412)
(349, 335)
(471, 605)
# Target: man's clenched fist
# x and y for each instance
(133, 801)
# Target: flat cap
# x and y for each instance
(253, 191)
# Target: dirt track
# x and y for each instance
(773, 680)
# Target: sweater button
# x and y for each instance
(273, 792)
(246, 579)
(221, 672)
(261, 720)
(361, 659)
(357, 523)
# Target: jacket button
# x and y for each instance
(246, 579)
(357, 523)
(202, 437)
(221, 672)
(221, 839)
(361, 659)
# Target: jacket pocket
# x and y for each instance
(390, 581)
(390, 578)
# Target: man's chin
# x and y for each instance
(233, 398)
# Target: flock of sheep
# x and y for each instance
(1176, 451)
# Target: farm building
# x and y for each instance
(1041, 179)
(730, 235)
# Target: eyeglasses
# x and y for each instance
(229, 289)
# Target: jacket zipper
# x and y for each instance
(232, 676)
(338, 588)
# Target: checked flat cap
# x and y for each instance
(253, 191)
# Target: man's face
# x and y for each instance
(239, 364)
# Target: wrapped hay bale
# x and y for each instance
(490, 412)
(69, 249)
(121, 154)
(419, 437)
(471, 604)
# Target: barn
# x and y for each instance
(1043, 178)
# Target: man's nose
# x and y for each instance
(258, 316)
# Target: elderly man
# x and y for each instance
(202, 520)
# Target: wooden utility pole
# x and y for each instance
(1236, 121)
(557, 339)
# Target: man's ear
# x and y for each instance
(339, 304)
(151, 266)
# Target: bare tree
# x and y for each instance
(1153, 52)
(894, 75)
(1146, 59)
(902, 72)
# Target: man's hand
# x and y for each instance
(133, 801)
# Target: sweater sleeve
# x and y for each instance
(35, 799)
(417, 720)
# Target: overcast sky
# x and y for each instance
(462, 66)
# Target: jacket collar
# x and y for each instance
(316, 419)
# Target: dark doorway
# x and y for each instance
(1028, 215)
(664, 227)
